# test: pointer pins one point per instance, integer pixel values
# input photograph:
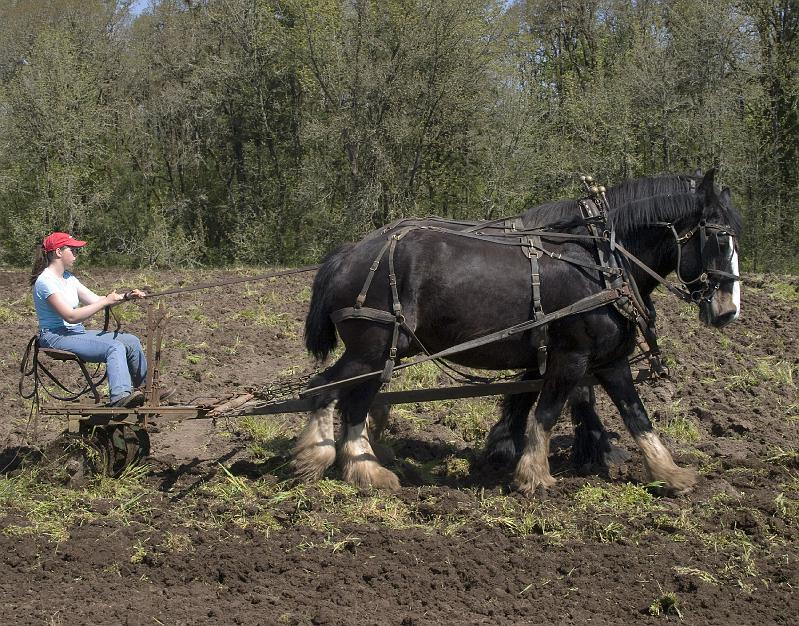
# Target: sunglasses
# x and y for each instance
(75, 250)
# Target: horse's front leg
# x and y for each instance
(618, 383)
(592, 448)
(564, 370)
(358, 461)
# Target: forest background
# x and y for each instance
(268, 131)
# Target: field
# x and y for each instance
(213, 529)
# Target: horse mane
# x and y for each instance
(633, 204)
(636, 214)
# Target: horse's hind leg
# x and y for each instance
(315, 449)
(618, 382)
(532, 470)
(376, 422)
(359, 464)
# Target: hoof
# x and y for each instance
(680, 482)
(310, 463)
(532, 476)
(662, 469)
(535, 488)
(365, 473)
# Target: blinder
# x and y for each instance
(711, 278)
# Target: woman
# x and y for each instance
(57, 296)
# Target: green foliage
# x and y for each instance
(765, 371)
(262, 132)
(471, 418)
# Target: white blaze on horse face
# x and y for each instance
(736, 286)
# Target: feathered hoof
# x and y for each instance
(366, 473)
(536, 488)
(532, 478)
(678, 482)
(310, 463)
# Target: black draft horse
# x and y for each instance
(454, 288)
(591, 448)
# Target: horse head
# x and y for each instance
(708, 263)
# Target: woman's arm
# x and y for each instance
(81, 314)
(86, 295)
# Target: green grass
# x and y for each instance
(679, 428)
(788, 508)
(666, 604)
(702, 575)
(769, 371)
(128, 313)
(270, 436)
(8, 314)
(422, 376)
(267, 318)
(784, 291)
(51, 510)
(471, 418)
(783, 456)
(623, 499)
(522, 518)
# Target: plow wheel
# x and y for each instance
(103, 450)
(86, 454)
(129, 445)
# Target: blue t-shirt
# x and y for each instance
(46, 285)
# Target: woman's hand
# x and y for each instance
(135, 293)
(113, 298)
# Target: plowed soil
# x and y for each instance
(214, 530)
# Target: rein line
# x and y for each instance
(234, 281)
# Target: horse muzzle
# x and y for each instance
(722, 307)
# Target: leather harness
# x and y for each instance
(619, 286)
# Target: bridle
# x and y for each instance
(702, 288)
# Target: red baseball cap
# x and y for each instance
(55, 241)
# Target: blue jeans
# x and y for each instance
(121, 352)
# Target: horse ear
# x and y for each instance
(725, 195)
(708, 187)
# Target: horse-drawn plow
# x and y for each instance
(111, 439)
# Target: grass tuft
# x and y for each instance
(768, 371)
(471, 418)
(271, 436)
(702, 575)
(667, 604)
(623, 499)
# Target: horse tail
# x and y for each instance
(320, 332)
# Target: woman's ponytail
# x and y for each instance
(41, 259)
